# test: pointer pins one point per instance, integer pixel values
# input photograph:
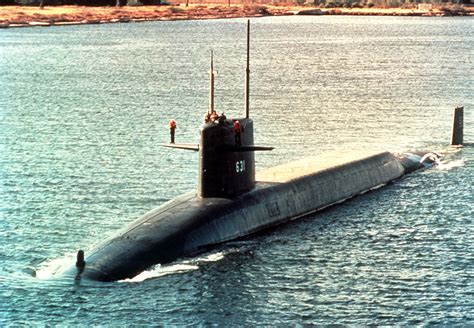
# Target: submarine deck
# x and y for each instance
(312, 164)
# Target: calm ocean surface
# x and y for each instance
(83, 108)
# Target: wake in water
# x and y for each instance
(446, 159)
(184, 266)
(51, 267)
(159, 271)
(450, 165)
(451, 159)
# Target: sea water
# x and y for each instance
(84, 108)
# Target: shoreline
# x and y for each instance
(22, 16)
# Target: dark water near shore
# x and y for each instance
(82, 109)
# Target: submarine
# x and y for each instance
(233, 201)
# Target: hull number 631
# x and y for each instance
(240, 166)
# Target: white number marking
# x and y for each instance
(240, 166)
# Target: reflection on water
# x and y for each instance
(83, 109)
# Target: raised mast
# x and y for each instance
(247, 73)
(211, 87)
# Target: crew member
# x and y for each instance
(237, 132)
(207, 118)
(172, 127)
(222, 118)
(214, 116)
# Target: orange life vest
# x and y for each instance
(237, 127)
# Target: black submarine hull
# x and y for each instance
(190, 224)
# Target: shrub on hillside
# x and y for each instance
(262, 10)
(175, 10)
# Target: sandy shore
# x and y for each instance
(16, 16)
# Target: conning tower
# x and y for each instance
(226, 147)
(226, 168)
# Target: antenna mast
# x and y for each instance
(211, 89)
(247, 72)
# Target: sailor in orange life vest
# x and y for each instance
(172, 126)
(237, 131)
(214, 116)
